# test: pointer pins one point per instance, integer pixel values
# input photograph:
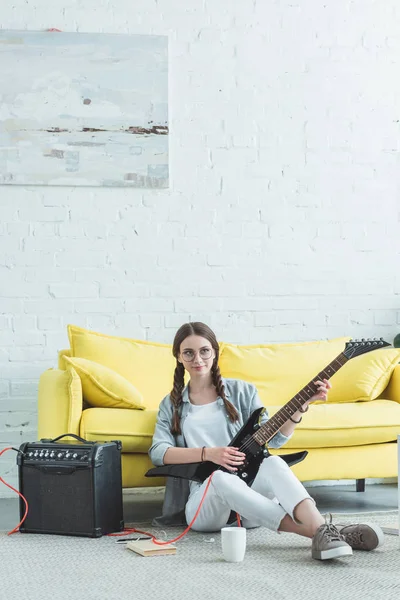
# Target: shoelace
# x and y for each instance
(354, 538)
(332, 533)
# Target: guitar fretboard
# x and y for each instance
(270, 428)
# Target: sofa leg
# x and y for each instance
(360, 485)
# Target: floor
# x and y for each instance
(143, 505)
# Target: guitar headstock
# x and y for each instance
(358, 347)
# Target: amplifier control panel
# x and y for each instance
(35, 455)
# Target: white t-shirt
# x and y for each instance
(205, 425)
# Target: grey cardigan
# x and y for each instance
(245, 399)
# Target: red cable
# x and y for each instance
(19, 494)
(126, 530)
(155, 541)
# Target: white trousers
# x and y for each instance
(275, 492)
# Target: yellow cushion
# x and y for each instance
(134, 428)
(149, 366)
(104, 387)
(279, 371)
(392, 392)
(336, 425)
(59, 402)
(364, 377)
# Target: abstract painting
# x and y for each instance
(83, 109)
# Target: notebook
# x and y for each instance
(148, 548)
(391, 530)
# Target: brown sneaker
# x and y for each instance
(327, 543)
(363, 536)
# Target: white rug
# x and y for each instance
(276, 567)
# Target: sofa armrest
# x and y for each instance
(61, 362)
(392, 392)
(59, 403)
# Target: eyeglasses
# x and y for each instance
(204, 353)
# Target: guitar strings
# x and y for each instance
(321, 374)
(311, 385)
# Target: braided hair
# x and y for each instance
(183, 332)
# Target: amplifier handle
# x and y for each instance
(77, 437)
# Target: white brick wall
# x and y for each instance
(281, 220)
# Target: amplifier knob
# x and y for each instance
(52, 454)
(67, 455)
(30, 453)
(36, 453)
(59, 455)
(74, 455)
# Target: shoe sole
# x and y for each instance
(332, 553)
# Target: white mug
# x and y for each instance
(233, 540)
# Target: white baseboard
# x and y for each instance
(332, 482)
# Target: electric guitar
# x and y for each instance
(252, 437)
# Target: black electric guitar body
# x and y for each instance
(252, 437)
(255, 454)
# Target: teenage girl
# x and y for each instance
(196, 422)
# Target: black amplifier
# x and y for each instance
(71, 488)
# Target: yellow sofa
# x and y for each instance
(107, 388)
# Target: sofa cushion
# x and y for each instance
(103, 387)
(336, 425)
(349, 462)
(134, 428)
(364, 377)
(279, 371)
(324, 426)
(149, 366)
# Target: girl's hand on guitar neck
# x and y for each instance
(322, 394)
(228, 457)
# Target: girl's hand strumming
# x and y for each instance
(228, 457)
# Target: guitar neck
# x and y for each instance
(270, 428)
